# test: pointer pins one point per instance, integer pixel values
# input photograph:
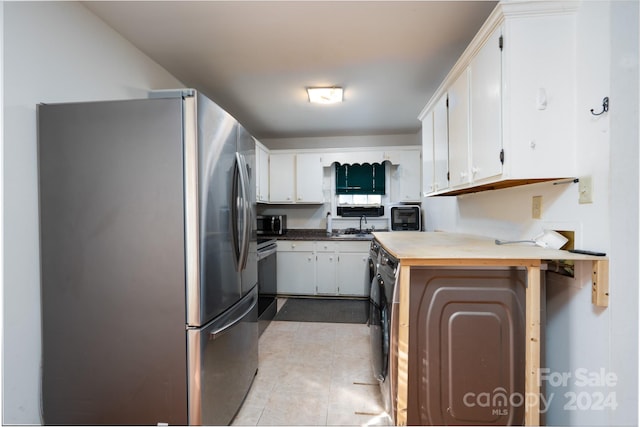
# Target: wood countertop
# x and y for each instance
(424, 249)
(413, 247)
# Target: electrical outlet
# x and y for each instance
(585, 190)
(536, 207)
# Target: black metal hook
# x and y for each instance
(605, 107)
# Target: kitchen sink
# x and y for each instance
(363, 236)
(353, 232)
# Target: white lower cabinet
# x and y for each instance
(326, 273)
(325, 267)
(353, 274)
(296, 267)
(326, 262)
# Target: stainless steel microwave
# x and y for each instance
(405, 218)
(272, 225)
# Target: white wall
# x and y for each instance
(343, 141)
(53, 52)
(578, 334)
(624, 211)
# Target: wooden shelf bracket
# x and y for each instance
(600, 283)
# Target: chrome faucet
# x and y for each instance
(365, 221)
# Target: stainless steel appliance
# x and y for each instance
(405, 218)
(272, 225)
(267, 282)
(148, 261)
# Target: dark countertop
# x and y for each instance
(321, 234)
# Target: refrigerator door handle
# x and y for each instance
(221, 330)
(246, 212)
(247, 209)
(237, 203)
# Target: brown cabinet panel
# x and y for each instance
(466, 347)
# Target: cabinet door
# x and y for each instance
(281, 178)
(459, 131)
(409, 176)
(440, 145)
(485, 76)
(428, 160)
(326, 273)
(309, 178)
(262, 174)
(353, 274)
(296, 273)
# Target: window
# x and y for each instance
(360, 179)
(360, 199)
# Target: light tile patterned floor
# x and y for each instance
(313, 374)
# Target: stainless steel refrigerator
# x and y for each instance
(148, 261)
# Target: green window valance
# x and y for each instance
(360, 178)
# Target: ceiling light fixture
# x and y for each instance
(325, 95)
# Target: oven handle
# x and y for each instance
(262, 254)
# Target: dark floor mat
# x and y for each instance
(324, 310)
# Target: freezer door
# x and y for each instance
(223, 360)
(213, 285)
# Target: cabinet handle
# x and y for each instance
(475, 170)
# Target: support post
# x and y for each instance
(532, 348)
(403, 345)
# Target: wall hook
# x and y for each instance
(605, 107)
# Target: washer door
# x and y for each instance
(379, 329)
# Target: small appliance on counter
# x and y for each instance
(405, 218)
(272, 225)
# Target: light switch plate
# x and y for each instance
(585, 190)
(536, 207)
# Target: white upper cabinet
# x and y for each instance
(282, 177)
(406, 174)
(485, 84)
(440, 145)
(459, 130)
(298, 176)
(262, 173)
(428, 154)
(539, 104)
(309, 178)
(435, 148)
(295, 178)
(511, 102)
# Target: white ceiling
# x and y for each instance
(255, 58)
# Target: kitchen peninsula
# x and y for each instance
(420, 250)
